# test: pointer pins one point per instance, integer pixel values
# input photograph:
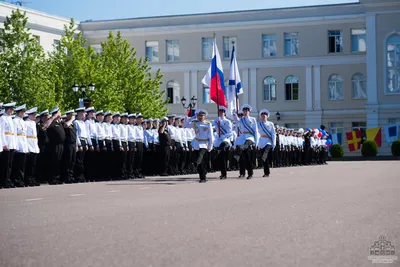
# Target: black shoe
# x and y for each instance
(241, 176)
(203, 181)
(249, 177)
(222, 177)
(266, 175)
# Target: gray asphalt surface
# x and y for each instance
(301, 216)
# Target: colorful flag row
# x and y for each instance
(354, 138)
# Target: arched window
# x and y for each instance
(173, 92)
(335, 87)
(269, 89)
(359, 85)
(291, 88)
(393, 64)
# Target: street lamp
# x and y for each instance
(83, 101)
(278, 116)
(191, 105)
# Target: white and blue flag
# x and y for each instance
(235, 84)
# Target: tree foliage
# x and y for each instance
(123, 82)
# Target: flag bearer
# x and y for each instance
(248, 139)
(267, 139)
(223, 128)
(203, 141)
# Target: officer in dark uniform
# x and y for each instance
(55, 148)
(69, 156)
(43, 141)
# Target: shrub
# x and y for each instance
(396, 148)
(337, 151)
(369, 149)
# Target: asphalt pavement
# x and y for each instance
(326, 215)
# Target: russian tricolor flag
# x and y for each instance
(214, 79)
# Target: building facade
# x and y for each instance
(336, 65)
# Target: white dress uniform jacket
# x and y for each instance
(204, 137)
(248, 129)
(82, 133)
(31, 136)
(21, 131)
(8, 132)
(91, 129)
(222, 126)
(267, 133)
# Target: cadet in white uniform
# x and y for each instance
(203, 140)
(267, 139)
(19, 161)
(90, 157)
(9, 145)
(33, 148)
(223, 131)
(82, 143)
(131, 145)
(139, 146)
(248, 139)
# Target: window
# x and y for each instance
(336, 127)
(206, 95)
(228, 46)
(97, 48)
(358, 40)
(391, 121)
(293, 126)
(393, 64)
(335, 87)
(173, 92)
(173, 50)
(359, 86)
(291, 44)
(269, 45)
(56, 43)
(207, 44)
(291, 88)
(37, 38)
(362, 126)
(152, 51)
(335, 41)
(269, 89)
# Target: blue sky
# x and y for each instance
(117, 9)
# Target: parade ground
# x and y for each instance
(327, 215)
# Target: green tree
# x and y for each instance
(24, 72)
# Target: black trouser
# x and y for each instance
(102, 163)
(79, 164)
(124, 161)
(18, 169)
(131, 160)
(55, 156)
(264, 158)
(68, 163)
(109, 156)
(90, 161)
(247, 156)
(30, 170)
(139, 159)
(165, 153)
(6, 163)
(277, 161)
(200, 163)
(190, 157)
(172, 159)
(41, 165)
(182, 159)
(222, 157)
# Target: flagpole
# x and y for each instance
(236, 96)
(216, 88)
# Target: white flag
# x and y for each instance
(235, 84)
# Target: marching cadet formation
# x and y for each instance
(88, 145)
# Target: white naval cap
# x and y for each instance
(100, 112)
(124, 115)
(69, 112)
(301, 130)
(44, 112)
(116, 114)
(201, 111)
(132, 115)
(55, 109)
(80, 110)
(164, 119)
(107, 113)
(223, 108)
(139, 115)
(22, 107)
(31, 111)
(171, 116)
(266, 111)
(89, 109)
(9, 105)
(246, 106)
